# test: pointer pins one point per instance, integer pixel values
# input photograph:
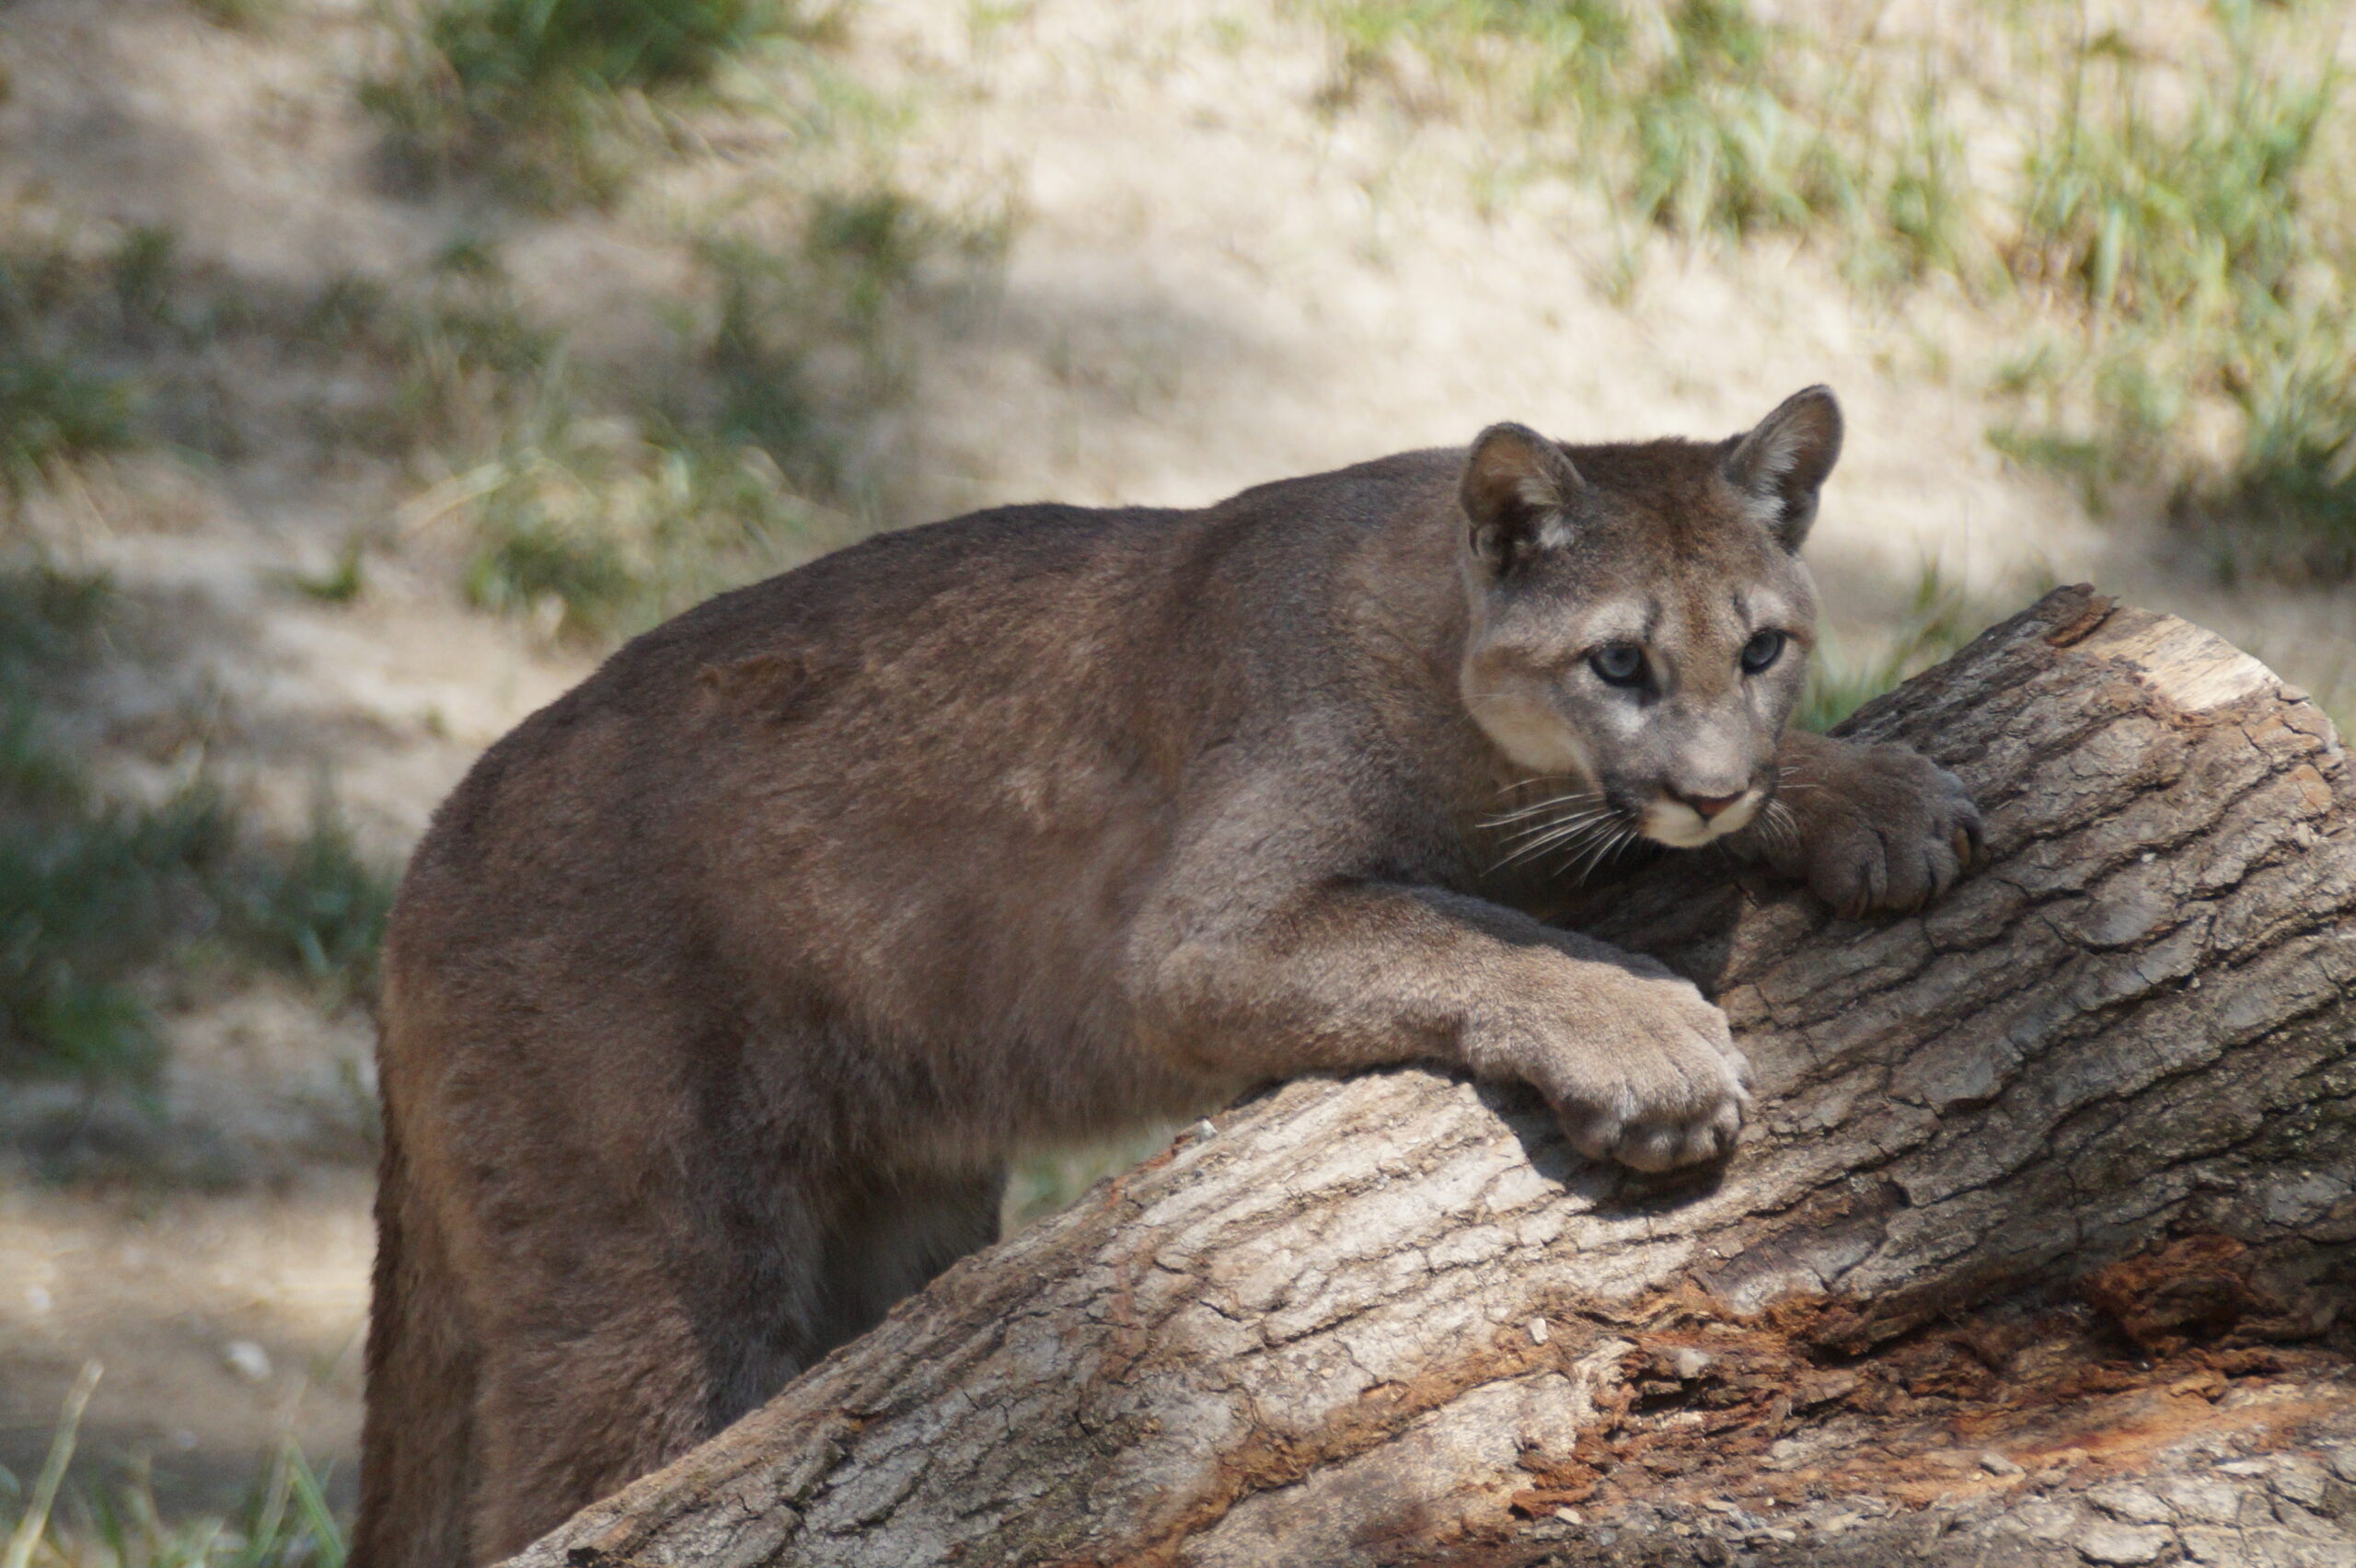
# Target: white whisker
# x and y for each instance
(1569, 820)
(1543, 808)
(1569, 834)
(1551, 803)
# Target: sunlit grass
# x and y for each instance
(1699, 117)
(2198, 241)
(2172, 228)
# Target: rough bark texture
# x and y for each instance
(2033, 1254)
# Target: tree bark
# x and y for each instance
(2033, 1254)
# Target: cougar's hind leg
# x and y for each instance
(891, 1235)
(575, 1403)
(652, 1341)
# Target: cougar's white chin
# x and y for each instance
(1680, 826)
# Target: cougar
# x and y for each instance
(719, 992)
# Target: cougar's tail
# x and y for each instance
(415, 1444)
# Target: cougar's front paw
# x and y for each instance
(1886, 829)
(1649, 1076)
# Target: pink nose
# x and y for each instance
(1711, 805)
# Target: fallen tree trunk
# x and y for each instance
(2034, 1253)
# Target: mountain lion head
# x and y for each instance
(1640, 622)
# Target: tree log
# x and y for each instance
(2035, 1251)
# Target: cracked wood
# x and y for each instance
(1352, 1323)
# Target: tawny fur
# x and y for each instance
(719, 992)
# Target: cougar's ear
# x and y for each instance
(1517, 485)
(1784, 462)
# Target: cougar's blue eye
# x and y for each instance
(1762, 651)
(1618, 663)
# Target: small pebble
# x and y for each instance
(248, 1360)
(1538, 1331)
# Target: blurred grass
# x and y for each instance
(593, 527)
(2172, 237)
(285, 1521)
(604, 507)
(250, 16)
(2201, 244)
(53, 405)
(558, 102)
(590, 496)
(1698, 117)
(98, 893)
(594, 497)
(1938, 621)
(1049, 1181)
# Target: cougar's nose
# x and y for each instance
(1710, 805)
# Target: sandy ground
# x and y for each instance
(1213, 282)
(221, 1320)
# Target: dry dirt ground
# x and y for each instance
(1212, 281)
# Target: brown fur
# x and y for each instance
(719, 992)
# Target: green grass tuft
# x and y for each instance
(2196, 238)
(550, 98)
(1700, 117)
(97, 895)
(498, 48)
(534, 560)
(53, 405)
(241, 14)
(595, 528)
(1936, 623)
(2182, 211)
(2286, 505)
(54, 409)
(89, 897)
(341, 583)
(284, 1522)
(737, 459)
(317, 907)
